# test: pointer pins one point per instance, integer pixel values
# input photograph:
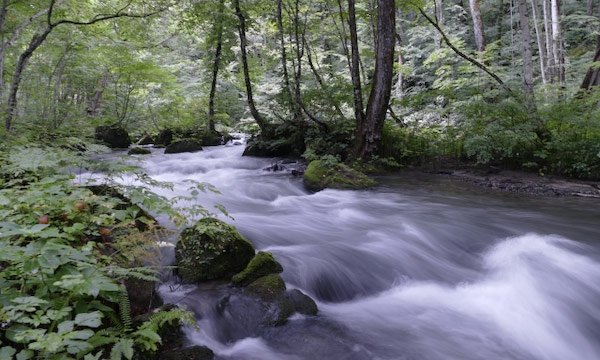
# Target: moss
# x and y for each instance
(211, 250)
(267, 288)
(320, 175)
(261, 265)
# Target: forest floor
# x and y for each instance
(524, 182)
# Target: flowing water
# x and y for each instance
(417, 268)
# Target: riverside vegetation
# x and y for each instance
(352, 87)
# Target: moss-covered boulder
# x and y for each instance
(261, 265)
(212, 139)
(115, 136)
(164, 137)
(139, 151)
(267, 288)
(320, 175)
(211, 250)
(183, 146)
(191, 353)
(146, 140)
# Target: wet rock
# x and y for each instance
(191, 353)
(267, 288)
(320, 175)
(211, 250)
(165, 137)
(212, 139)
(143, 296)
(275, 168)
(146, 140)
(237, 143)
(139, 151)
(182, 146)
(302, 303)
(115, 136)
(261, 265)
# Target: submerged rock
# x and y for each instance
(139, 151)
(115, 136)
(211, 250)
(302, 303)
(182, 146)
(261, 265)
(320, 175)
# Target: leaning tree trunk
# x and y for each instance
(592, 78)
(477, 25)
(369, 139)
(243, 43)
(355, 67)
(215, 71)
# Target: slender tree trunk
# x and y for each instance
(95, 105)
(439, 18)
(557, 42)
(369, 139)
(551, 65)
(526, 52)
(216, 65)
(399, 90)
(286, 76)
(355, 67)
(243, 43)
(477, 25)
(590, 7)
(540, 41)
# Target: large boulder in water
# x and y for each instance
(164, 137)
(211, 250)
(321, 174)
(146, 140)
(115, 136)
(261, 265)
(182, 146)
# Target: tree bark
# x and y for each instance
(95, 105)
(477, 25)
(550, 65)
(355, 68)
(540, 42)
(369, 137)
(557, 42)
(243, 43)
(216, 65)
(590, 7)
(286, 76)
(526, 52)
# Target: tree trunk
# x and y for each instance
(243, 43)
(216, 65)
(286, 76)
(477, 25)
(95, 105)
(551, 65)
(540, 42)
(399, 90)
(526, 52)
(590, 7)
(355, 68)
(369, 137)
(592, 77)
(557, 42)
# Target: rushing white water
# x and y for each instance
(414, 269)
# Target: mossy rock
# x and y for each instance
(261, 265)
(170, 333)
(164, 137)
(267, 288)
(320, 175)
(183, 146)
(115, 136)
(211, 250)
(146, 140)
(212, 139)
(191, 353)
(139, 151)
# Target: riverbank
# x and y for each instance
(521, 182)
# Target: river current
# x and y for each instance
(418, 268)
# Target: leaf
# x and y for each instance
(93, 319)
(25, 355)
(123, 348)
(7, 352)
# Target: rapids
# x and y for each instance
(417, 268)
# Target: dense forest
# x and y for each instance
(369, 86)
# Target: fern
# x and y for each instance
(125, 310)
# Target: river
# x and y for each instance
(417, 268)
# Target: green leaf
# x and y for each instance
(7, 352)
(25, 355)
(93, 319)
(123, 348)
